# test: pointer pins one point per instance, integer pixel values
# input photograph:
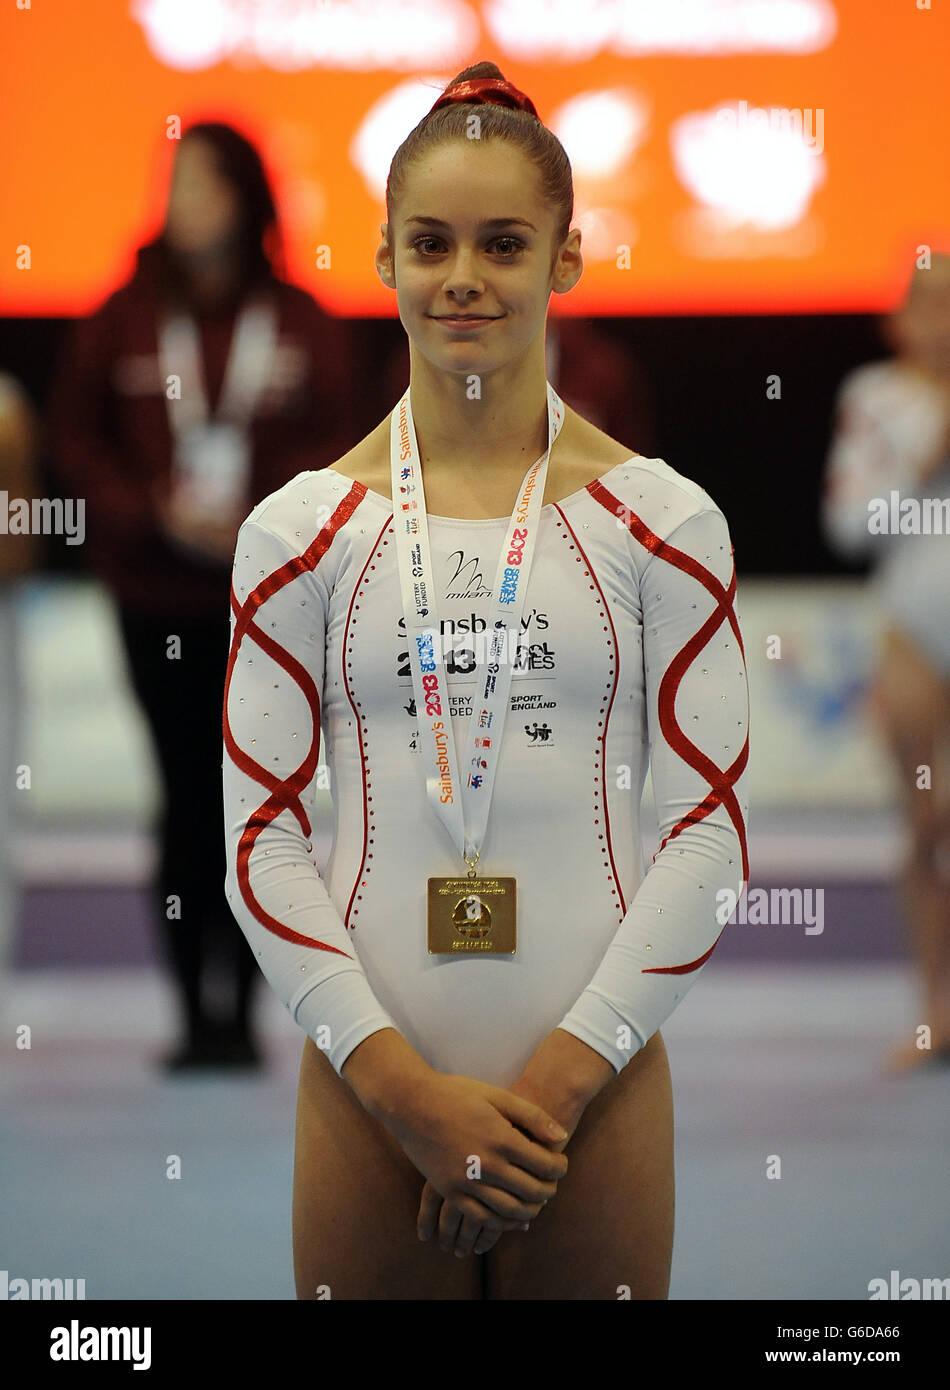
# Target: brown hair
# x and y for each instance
(260, 238)
(500, 122)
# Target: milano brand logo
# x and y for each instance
(467, 581)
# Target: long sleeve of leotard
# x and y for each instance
(697, 718)
(860, 465)
(271, 722)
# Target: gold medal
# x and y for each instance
(471, 914)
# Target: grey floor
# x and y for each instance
(768, 1059)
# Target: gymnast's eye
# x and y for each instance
(515, 243)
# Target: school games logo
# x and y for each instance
(466, 644)
(430, 679)
(509, 582)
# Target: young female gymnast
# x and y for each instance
(494, 659)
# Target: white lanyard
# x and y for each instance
(452, 793)
(250, 360)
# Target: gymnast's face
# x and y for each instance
(472, 235)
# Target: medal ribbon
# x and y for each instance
(250, 357)
(461, 795)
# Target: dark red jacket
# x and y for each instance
(110, 439)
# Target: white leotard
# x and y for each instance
(889, 423)
(631, 650)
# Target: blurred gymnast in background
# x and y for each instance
(892, 434)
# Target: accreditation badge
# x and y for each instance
(213, 466)
(471, 915)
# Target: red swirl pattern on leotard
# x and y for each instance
(721, 780)
(284, 791)
(602, 737)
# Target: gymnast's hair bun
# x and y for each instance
(481, 90)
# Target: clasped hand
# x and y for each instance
(456, 1119)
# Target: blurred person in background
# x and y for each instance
(19, 556)
(892, 434)
(201, 385)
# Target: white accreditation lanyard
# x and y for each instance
(465, 914)
(212, 455)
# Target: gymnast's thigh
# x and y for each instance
(609, 1227)
(355, 1200)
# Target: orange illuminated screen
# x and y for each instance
(729, 156)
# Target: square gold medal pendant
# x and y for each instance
(471, 914)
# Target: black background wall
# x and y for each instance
(761, 460)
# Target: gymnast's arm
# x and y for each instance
(271, 725)
(697, 721)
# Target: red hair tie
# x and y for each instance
(482, 90)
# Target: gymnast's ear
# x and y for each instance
(384, 258)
